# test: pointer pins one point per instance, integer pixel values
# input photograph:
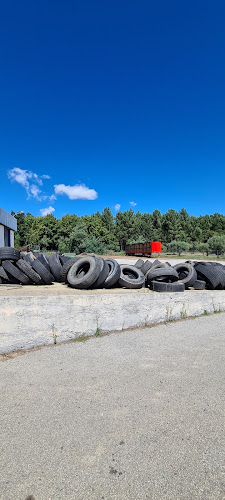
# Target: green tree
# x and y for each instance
(95, 246)
(156, 225)
(170, 226)
(204, 248)
(125, 227)
(178, 247)
(217, 244)
(63, 245)
(78, 239)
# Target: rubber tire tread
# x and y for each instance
(126, 281)
(3, 274)
(55, 267)
(160, 286)
(114, 273)
(208, 274)
(63, 259)
(15, 272)
(43, 260)
(146, 267)
(29, 257)
(84, 282)
(199, 285)
(9, 253)
(139, 264)
(166, 272)
(103, 274)
(66, 267)
(27, 269)
(192, 274)
(42, 271)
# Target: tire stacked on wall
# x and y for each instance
(92, 272)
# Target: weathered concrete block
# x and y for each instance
(28, 321)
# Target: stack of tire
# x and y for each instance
(79, 272)
(91, 272)
(191, 275)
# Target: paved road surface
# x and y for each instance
(129, 416)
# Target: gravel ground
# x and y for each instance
(130, 416)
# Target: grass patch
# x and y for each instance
(81, 339)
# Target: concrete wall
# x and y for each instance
(28, 321)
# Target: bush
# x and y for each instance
(163, 248)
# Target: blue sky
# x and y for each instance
(112, 103)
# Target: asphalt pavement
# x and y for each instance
(134, 415)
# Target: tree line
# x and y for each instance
(102, 232)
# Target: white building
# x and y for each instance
(8, 224)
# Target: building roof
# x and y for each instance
(7, 220)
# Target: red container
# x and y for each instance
(156, 246)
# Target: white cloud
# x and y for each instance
(117, 207)
(46, 211)
(45, 176)
(133, 204)
(29, 180)
(35, 192)
(77, 192)
(52, 197)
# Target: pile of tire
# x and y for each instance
(78, 272)
(92, 272)
(190, 275)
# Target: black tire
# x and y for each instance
(136, 281)
(183, 275)
(9, 253)
(3, 274)
(27, 269)
(187, 268)
(146, 267)
(113, 275)
(139, 264)
(28, 257)
(208, 274)
(159, 266)
(42, 271)
(162, 274)
(13, 271)
(43, 260)
(221, 275)
(63, 259)
(66, 267)
(103, 273)
(199, 285)
(156, 262)
(91, 268)
(160, 286)
(55, 266)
